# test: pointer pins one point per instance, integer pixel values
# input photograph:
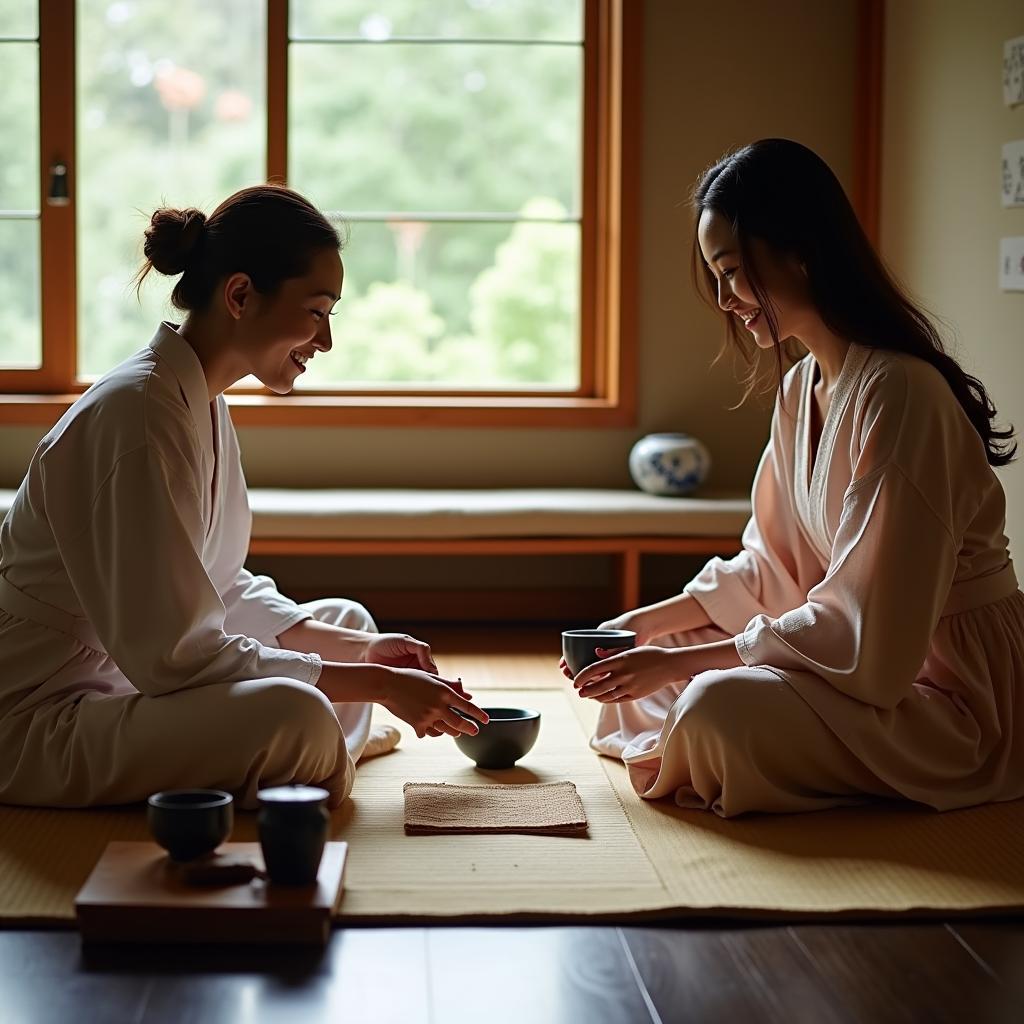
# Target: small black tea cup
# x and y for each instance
(293, 824)
(579, 646)
(189, 823)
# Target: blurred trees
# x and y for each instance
(171, 111)
(19, 186)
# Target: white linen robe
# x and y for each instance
(874, 607)
(136, 651)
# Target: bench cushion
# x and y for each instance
(421, 514)
(556, 512)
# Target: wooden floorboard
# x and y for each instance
(730, 974)
(819, 974)
(900, 973)
(998, 947)
(521, 975)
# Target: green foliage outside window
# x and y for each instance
(171, 110)
(20, 341)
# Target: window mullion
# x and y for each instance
(591, 322)
(57, 218)
(277, 90)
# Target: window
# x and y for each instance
(448, 135)
(171, 108)
(477, 153)
(20, 328)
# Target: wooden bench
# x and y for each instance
(623, 524)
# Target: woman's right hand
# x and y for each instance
(431, 705)
(678, 614)
(636, 621)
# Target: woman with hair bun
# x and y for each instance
(868, 639)
(136, 651)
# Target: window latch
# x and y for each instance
(57, 194)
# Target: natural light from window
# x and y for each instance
(448, 135)
(171, 111)
(445, 138)
(20, 328)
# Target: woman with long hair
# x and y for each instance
(868, 639)
(136, 651)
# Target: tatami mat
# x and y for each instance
(641, 859)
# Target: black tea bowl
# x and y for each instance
(579, 646)
(509, 735)
(189, 823)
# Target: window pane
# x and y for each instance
(19, 126)
(171, 111)
(435, 127)
(20, 337)
(449, 19)
(18, 18)
(457, 305)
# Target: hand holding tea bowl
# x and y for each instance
(580, 646)
(509, 735)
(190, 823)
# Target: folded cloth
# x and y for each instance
(548, 809)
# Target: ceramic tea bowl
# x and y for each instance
(509, 735)
(579, 646)
(189, 823)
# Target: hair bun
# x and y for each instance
(173, 239)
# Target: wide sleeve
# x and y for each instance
(867, 627)
(139, 578)
(254, 606)
(765, 575)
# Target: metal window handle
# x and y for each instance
(57, 194)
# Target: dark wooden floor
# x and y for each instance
(972, 972)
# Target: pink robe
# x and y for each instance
(874, 607)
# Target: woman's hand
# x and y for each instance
(431, 705)
(399, 650)
(637, 621)
(631, 674)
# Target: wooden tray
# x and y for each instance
(134, 894)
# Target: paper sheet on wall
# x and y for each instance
(1013, 173)
(1013, 71)
(1011, 264)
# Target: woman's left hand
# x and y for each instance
(631, 674)
(399, 650)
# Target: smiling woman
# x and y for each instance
(136, 651)
(272, 258)
(867, 639)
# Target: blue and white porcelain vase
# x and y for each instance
(669, 464)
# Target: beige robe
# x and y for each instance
(136, 651)
(874, 607)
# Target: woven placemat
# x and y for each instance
(548, 809)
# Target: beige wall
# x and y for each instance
(944, 126)
(710, 82)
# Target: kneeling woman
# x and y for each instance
(136, 651)
(868, 640)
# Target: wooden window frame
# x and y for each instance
(609, 253)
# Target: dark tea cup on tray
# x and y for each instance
(190, 823)
(509, 735)
(579, 646)
(293, 822)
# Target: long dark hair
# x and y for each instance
(269, 232)
(784, 194)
